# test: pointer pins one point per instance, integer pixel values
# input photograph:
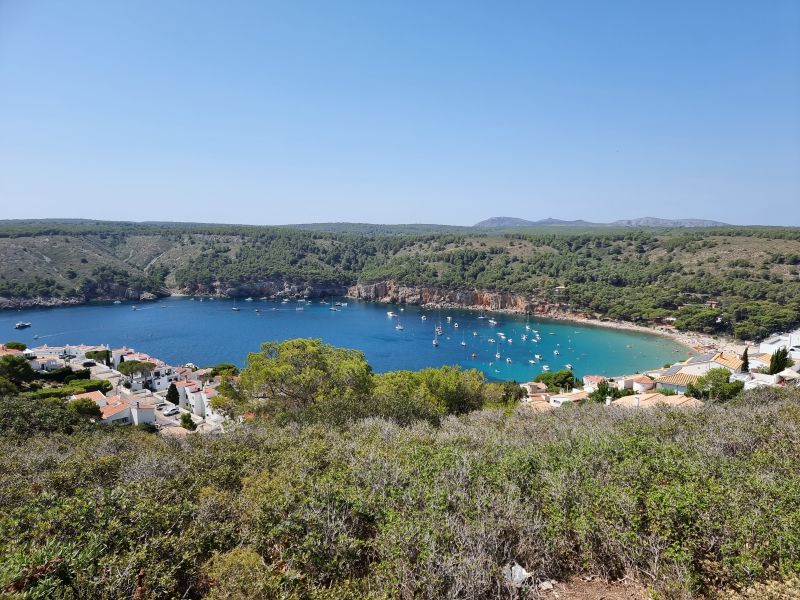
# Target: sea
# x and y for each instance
(206, 332)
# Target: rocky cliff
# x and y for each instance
(391, 292)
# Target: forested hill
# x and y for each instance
(748, 275)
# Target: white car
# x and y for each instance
(171, 411)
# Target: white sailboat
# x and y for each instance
(399, 325)
(435, 337)
(463, 340)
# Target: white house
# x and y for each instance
(121, 410)
(638, 383)
(200, 401)
(790, 341)
(590, 382)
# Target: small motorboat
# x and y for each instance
(248, 299)
(508, 360)
(455, 325)
(120, 301)
(235, 309)
(390, 314)
(569, 366)
(556, 352)
(545, 368)
(492, 322)
(22, 325)
(424, 318)
(530, 360)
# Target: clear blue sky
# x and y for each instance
(396, 112)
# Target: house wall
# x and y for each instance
(143, 415)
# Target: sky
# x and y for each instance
(400, 112)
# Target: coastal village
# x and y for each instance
(141, 397)
(668, 386)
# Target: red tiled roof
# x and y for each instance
(95, 396)
(594, 378)
(187, 384)
(109, 410)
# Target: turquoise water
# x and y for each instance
(181, 330)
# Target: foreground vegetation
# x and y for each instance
(344, 484)
(741, 281)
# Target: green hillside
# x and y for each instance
(748, 274)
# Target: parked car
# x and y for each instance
(89, 363)
(160, 405)
(171, 411)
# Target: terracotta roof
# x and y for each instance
(210, 392)
(594, 378)
(678, 379)
(95, 396)
(639, 379)
(656, 399)
(572, 396)
(727, 360)
(682, 401)
(187, 384)
(109, 410)
(133, 403)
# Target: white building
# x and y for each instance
(790, 341)
(122, 410)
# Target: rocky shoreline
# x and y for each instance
(18, 303)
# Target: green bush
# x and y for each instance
(684, 501)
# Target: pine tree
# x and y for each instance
(172, 394)
(779, 361)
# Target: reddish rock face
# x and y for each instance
(390, 292)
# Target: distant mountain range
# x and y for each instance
(502, 222)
